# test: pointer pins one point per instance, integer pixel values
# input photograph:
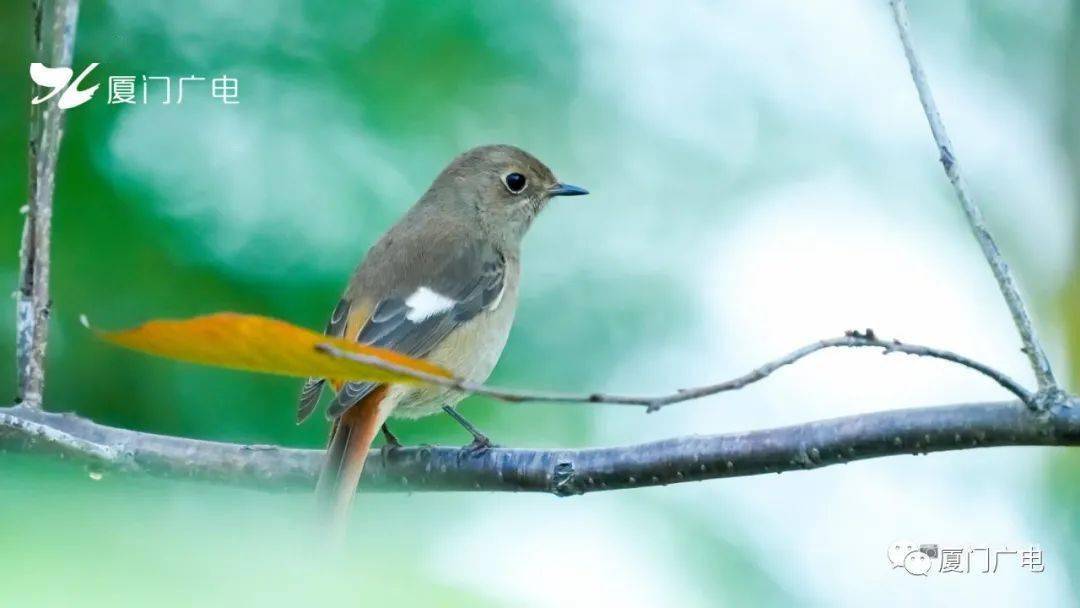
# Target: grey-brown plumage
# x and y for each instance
(441, 285)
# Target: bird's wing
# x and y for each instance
(416, 315)
(312, 390)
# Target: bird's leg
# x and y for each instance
(391, 444)
(480, 441)
(391, 439)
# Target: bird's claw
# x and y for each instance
(479, 445)
(387, 449)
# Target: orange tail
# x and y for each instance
(350, 441)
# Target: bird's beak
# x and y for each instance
(566, 190)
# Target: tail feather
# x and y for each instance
(350, 441)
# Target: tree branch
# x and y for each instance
(46, 131)
(1031, 345)
(852, 339)
(562, 472)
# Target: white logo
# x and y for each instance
(58, 80)
(899, 551)
(922, 559)
(122, 88)
(917, 563)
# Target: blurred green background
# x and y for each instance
(761, 177)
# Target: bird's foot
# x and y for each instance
(480, 444)
(387, 450)
(390, 445)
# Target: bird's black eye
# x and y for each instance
(515, 182)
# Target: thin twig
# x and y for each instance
(852, 339)
(563, 472)
(1031, 345)
(46, 131)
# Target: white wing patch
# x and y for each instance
(424, 303)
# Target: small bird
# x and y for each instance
(441, 285)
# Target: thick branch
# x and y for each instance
(1032, 347)
(852, 339)
(561, 472)
(46, 130)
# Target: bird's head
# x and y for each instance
(504, 185)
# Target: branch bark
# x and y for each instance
(1040, 365)
(563, 472)
(46, 130)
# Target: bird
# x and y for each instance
(441, 285)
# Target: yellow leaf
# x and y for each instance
(262, 344)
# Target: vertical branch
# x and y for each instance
(1031, 345)
(46, 131)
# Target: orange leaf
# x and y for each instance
(262, 344)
